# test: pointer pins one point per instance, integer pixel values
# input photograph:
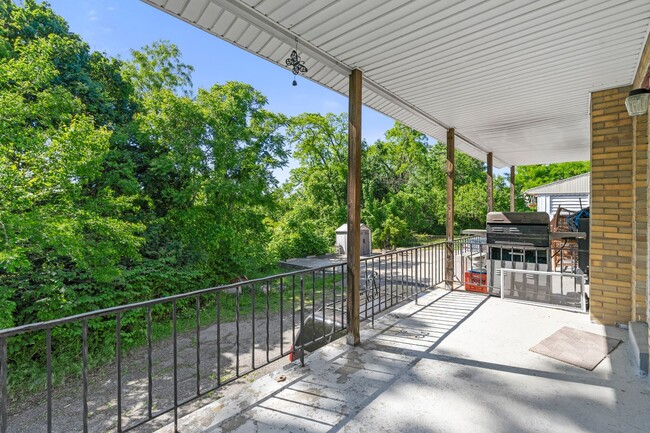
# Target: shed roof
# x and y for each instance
(344, 228)
(573, 185)
(512, 77)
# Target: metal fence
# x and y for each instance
(479, 267)
(168, 352)
(559, 289)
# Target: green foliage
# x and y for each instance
(66, 235)
(319, 184)
(157, 67)
(394, 231)
(390, 165)
(7, 308)
(207, 172)
(530, 176)
(404, 186)
(294, 236)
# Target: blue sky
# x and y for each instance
(117, 26)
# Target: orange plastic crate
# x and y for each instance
(476, 281)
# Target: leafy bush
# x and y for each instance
(296, 237)
(393, 232)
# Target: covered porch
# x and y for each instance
(510, 84)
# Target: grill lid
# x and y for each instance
(518, 228)
(519, 218)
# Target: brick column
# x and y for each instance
(611, 237)
(640, 218)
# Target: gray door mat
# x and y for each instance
(575, 347)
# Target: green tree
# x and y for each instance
(67, 233)
(320, 181)
(391, 164)
(393, 197)
(530, 176)
(115, 184)
(405, 181)
(158, 67)
(207, 170)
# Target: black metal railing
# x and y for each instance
(166, 353)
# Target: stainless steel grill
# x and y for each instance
(517, 240)
(519, 248)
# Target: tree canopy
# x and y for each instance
(531, 176)
(116, 184)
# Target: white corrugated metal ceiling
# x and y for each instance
(513, 77)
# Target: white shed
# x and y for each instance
(571, 193)
(342, 239)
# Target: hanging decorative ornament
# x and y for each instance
(297, 65)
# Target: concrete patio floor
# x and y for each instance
(457, 362)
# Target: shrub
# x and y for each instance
(295, 237)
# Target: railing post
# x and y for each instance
(3, 385)
(48, 369)
(175, 359)
(302, 321)
(198, 345)
(512, 188)
(149, 364)
(84, 374)
(490, 183)
(354, 207)
(218, 320)
(449, 257)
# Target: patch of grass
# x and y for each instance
(421, 239)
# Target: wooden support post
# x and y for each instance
(354, 207)
(512, 188)
(490, 183)
(451, 168)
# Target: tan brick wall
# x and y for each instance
(640, 218)
(612, 198)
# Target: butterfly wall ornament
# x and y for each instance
(297, 65)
